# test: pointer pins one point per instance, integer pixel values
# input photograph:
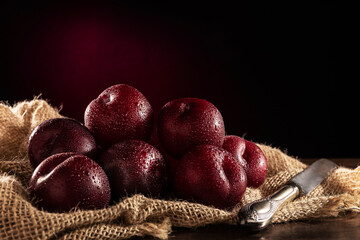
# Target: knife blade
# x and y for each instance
(257, 215)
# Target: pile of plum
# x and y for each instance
(120, 150)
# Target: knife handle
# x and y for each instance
(257, 215)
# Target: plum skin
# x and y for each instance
(187, 122)
(236, 145)
(257, 164)
(210, 175)
(120, 112)
(170, 161)
(59, 135)
(67, 180)
(250, 157)
(134, 166)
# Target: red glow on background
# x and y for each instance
(255, 67)
(72, 56)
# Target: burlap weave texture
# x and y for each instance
(138, 215)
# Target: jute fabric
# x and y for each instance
(138, 215)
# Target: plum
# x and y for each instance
(67, 180)
(120, 112)
(60, 135)
(187, 122)
(210, 175)
(134, 166)
(251, 158)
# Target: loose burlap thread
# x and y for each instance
(138, 215)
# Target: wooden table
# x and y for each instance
(346, 227)
(341, 228)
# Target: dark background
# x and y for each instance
(278, 72)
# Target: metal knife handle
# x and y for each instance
(257, 215)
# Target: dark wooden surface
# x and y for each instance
(346, 227)
(340, 228)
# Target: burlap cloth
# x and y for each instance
(138, 215)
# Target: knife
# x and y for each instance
(257, 215)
